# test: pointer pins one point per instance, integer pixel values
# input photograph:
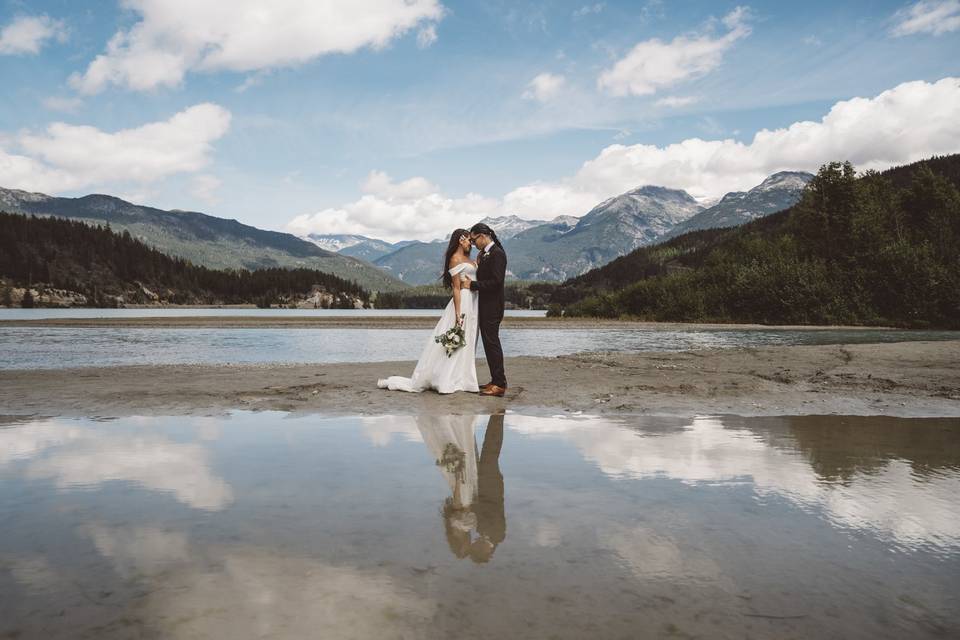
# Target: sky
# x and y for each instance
(403, 119)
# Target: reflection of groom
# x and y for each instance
(491, 272)
(491, 521)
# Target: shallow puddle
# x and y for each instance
(273, 525)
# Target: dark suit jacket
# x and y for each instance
(491, 272)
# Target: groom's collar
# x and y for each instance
(489, 246)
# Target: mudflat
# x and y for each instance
(909, 379)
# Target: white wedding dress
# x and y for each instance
(445, 435)
(436, 370)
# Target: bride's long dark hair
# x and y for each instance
(452, 247)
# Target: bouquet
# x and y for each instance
(453, 338)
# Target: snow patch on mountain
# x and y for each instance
(509, 226)
(776, 193)
(567, 221)
(643, 213)
(334, 242)
(785, 180)
(11, 197)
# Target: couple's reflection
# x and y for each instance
(473, 515)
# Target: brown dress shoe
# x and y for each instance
(493, 390)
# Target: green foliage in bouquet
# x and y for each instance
(453, 338)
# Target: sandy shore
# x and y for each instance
(899, 379)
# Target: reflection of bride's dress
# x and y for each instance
(476, 484)
(446, 436)
(436, 370)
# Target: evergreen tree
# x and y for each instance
(879, 248)
(27, 301)
(102, 265)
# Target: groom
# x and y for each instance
(491, 272)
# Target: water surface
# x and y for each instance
(274, 525)
(60, 347)
(180, 312)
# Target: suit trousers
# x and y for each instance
(490, 335)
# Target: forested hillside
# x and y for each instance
(517, 294)
(216, 243)
(105, 266)
(878, 248)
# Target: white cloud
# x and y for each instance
(427, 36)
(545, 200)
(27, 34)
(677, 101)
(271, 593)
(66, 105)
(380, 430)
(588, 9)
(76, 456)
(252, 80)
(155, 463)
(177, 36)
(544, 87)
(278, 594)
(710, 126)
(653, 65)
(139, 550)
(912, 121)
(710, 452)
(204, 187)
(411, 209)
(929, 16)
(138, 196)
(66, 157)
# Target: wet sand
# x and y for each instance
(909, 379)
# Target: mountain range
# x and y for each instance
(544, 250)
(419, 262)
(569, 246)
(372, 249)
(876, 248)
(205, 240)
(362, 247)
(776, 193)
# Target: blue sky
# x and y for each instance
(441, 98)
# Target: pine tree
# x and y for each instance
(27, 301)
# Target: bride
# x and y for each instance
(436, 370)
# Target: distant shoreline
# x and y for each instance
(907, 379)
(405, 322)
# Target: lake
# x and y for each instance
(298, 526)
(61, 347)
(185, 312)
